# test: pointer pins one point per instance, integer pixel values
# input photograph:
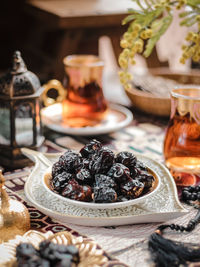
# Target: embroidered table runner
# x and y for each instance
(127, 243)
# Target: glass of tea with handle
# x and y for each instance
(81, 95)
(182, 138)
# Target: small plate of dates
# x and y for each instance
(96, 177)
(61, 249)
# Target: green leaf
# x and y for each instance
(139, 4)
(188, 21)
(193, 3)
(185, 14)
(156, 24)
(128, 19)
(147, 17)
(148, 5)
(134, 11)
(166, 21)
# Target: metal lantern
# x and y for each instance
(20, 122)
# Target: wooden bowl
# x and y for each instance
(159, 105)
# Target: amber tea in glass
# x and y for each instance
(182, 139)
(85, 104)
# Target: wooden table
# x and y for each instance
(74, 26)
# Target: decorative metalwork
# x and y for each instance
(14, 216)
(90, 254)
(20, 90)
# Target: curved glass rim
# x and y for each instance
(68, 61)
(185, 87)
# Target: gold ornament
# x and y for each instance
(90, 254)
(14, 216)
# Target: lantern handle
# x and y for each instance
(55, 85)
(18, 64)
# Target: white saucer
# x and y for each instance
(118, 117)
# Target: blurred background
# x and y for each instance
(47, 30)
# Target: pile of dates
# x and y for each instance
(97, 174)
(48, 255)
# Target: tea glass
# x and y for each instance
(83, 102)
(182, 138)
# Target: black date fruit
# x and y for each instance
(119, 173)
(83, 176)
(57, 168)
(72, 250)
(73, 190)
(64, 263)
(104, 195)
(48, 255)
(127, 159)
(102, 180)
(91, 148)
(85, 164)
(61, 180)
(25, 250)
(132, 188)
(97, 174)
(139, 168)
(70, 161)
(34, 261)
(52, 252)
(146, 178)
(139, 165)
(87, 190)
(122, 198)
(102, 161)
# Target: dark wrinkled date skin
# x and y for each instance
(61, 181)
(47, 255)
(103, 180)
(132, 188)
(101, 161)
(127, 159)
(91, 148)
(96, 174)
(119, 172)
(104, 194)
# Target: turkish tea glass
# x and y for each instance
(182, 139)
(84, 104)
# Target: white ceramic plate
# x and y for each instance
(162, 206)
(118, 117)
(90, 205)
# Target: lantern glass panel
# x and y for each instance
(23, 124)
(5, 129)
(38, 121)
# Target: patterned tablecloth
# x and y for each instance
(128, 244)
